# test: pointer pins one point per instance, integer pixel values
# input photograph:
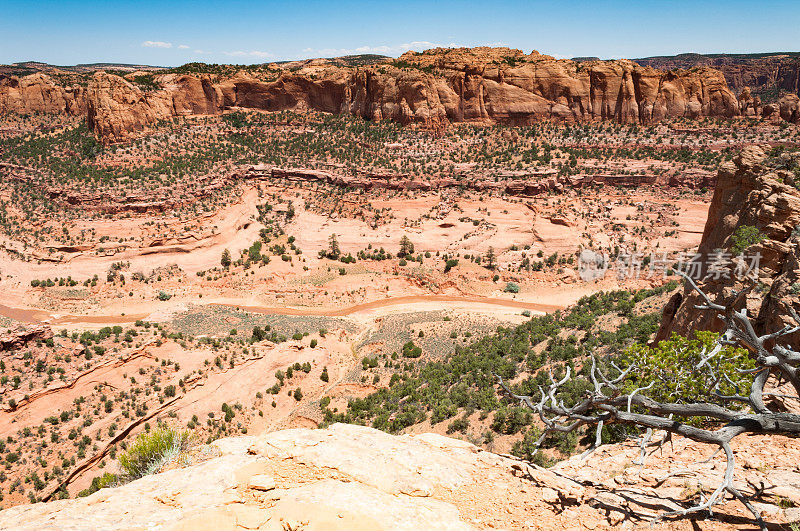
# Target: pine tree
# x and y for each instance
(406, 247)
(491, 259)
(226, 259)
(333, 247)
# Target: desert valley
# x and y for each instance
(328, 283)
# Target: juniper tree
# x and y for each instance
(406, 247)
(333, 247)
(718, 409)
(491, 259)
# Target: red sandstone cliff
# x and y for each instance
(38, 93)
(432, 89)
(752, 191)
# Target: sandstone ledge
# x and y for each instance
(353, 477)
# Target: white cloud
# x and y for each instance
(156, 44)
(183, 47)
(252, 53)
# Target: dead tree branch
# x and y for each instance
(611, 400)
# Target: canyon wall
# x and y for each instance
(431, 89)
(38, 93)
(751, 191)
(758, 72)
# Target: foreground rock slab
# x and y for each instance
(354, 477)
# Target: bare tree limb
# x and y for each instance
(607, 402)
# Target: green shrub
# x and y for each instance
(151, 451)
(744, 237)
(410, 350)
(99, 482)
(511, 287)
(460, 424)
(660, 364)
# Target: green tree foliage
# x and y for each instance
(438, 389)
(406, 247)
(410, 350)
(511, 287)
(744, 237)
(333, 247)
(100, 482)
(670, 368)
(491, 259)
(225, 260)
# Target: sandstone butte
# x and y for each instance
(358, 478)
(431, 89)
(749, 192)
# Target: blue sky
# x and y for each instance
(173, 33)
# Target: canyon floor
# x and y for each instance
(236, 275)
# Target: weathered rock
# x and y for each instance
(38, 93)
(748, 193)
(538, 182)
(383, 490)
(116, 108)
(759, 72)
(261, 482)
(407, 465)
(15, 338)
(789, 108)
(430, 89)
(354, 477)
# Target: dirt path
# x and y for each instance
(33, 315)
(400, 301)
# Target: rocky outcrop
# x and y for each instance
(38, 93)
(354, 477)
(506, 86)
(116, 108)
(430, 89)
(751, 191)
(16, 338)
(517, 184)
(759, 72)
(789, 108)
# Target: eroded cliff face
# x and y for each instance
(751, 191)
(431, 89)
(758, 72)
(38, 93)
(504, 85)
(116, 108)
